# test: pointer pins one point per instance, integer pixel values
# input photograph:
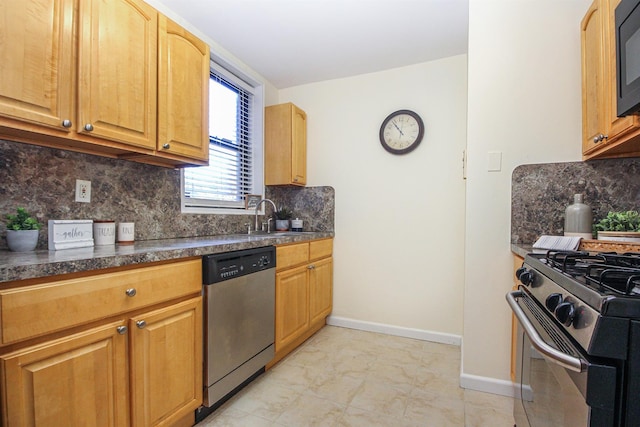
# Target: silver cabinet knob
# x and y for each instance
(166, 146)
(66, 123)
(88, 127)
(141, 324)
(131, 292)
(121, 330)
(599, 138)
(311, 267)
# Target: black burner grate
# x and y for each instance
(617, 273)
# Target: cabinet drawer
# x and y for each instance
(36, 310)
(320, 248)
(290, 255)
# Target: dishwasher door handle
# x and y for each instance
(574, 364)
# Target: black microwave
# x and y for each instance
(628, 57)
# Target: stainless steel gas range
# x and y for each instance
(578, 348)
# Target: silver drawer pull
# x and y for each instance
(121, 330)
(311, 267)
(141, 324)
(166, 146)
(88, 127)
(66, 123)
(131, 292)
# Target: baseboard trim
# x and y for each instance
(487, 385)
(399, 331)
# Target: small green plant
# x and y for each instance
(283, 213)
(619, 221)
(22, 220)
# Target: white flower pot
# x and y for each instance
(282, 224)
(22, 240)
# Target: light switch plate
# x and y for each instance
(494, 161)
(83, 191)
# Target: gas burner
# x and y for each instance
(604, 272)
(622, 280)
(573, 263)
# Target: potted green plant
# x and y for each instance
(282, 216)
(619, 226)
(22, 231)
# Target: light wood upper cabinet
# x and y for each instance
(183, 92)
(112, 78)
(117, 71)
(37, 77)
(285, 145)
(603, 133)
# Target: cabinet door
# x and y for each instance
(517, 263)
(292, 305)
(320, 289)
(594, 85)
(37, 77)
(618, 126)
(299, 146)
(80, 380)
(117, 58)
(166, 364)
(183, 92)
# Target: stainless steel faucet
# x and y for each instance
(258, 207)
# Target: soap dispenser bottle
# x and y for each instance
(578, 219)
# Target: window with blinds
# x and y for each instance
(233, 156)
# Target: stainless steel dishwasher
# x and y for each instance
(239, 316)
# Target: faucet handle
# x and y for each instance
(269, 225)
(248, 225)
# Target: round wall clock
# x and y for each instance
(401, 132)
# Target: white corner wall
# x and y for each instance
(399, 219)
(525, 102)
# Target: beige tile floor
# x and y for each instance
(345, 377)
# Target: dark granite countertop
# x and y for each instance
(521, 249)
(29, 265)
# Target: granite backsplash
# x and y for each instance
(541, 192)
(43, 181)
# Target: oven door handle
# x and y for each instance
(553, 355)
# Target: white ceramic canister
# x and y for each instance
(578, 219)
(296, 224)
(126, 232)
(104, 232)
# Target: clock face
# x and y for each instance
(401, 132)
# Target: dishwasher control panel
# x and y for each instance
(229, 265)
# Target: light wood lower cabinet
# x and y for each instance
(79, 380)
(517, 263)
(304, 292)
(139, 365)
(166, 364)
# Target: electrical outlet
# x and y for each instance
(83, 191)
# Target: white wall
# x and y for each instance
(524, 101)
(399, 219)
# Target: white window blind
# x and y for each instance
(232, 157)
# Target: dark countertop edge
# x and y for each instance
(42, 263)
(521, 250)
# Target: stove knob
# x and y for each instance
(520, 271)
(565, 313)
(526, 277)
(553, 301)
